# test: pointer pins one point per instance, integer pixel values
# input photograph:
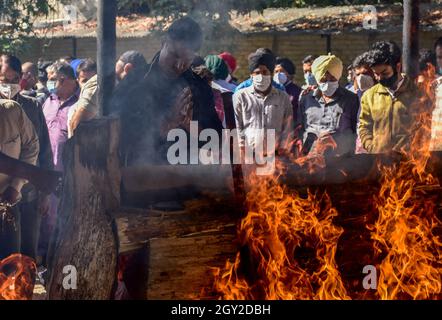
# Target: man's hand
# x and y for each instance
(79, 115)
(181, 113)
(43, 204)
(11, 196)
(47, 181)
(309, 89)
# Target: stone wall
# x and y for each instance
(292, 45)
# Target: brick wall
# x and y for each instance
(294, 46)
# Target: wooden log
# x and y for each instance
(354, 202)
(336, 170)
(359, 168)
(182, 268)
(156, 177)
(44, 180)
(136, 226)
(84, 236)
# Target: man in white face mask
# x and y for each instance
(329, 111)
(364, 80)
(261, 107)
(10, 79)
(19, 140)
(34, 204)
(364, 76)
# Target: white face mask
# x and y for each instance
(280, 78)
(261, 83)
(9, 90)
(51, 85)
(328, 88)
(364, 82)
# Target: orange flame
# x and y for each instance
(404, 233)
(17, 273)
(278, 227)
(282, 228)
(315, 160)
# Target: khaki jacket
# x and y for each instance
(385, 122)
(18, 140)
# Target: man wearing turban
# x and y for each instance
(285, 71)
(328, 111)
(271, 56)
(261, 107)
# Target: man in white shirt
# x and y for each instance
(86, 107)
(261, 107)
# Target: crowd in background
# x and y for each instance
(42, 105)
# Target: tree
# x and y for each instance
(16, 22)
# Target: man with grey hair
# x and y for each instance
(30, 84)
(86, 107)
(56, 107)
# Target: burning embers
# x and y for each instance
(17, 275)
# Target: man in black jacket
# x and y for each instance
(169, 97)
(130, 69)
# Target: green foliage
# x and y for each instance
(17, 18)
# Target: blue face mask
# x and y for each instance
(310, 79)
(51, 85)
(280, 78)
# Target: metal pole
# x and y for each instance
(106, 51)
(410, 38)
(74, 47)
(328, 45)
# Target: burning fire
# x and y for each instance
(290, 241)
(404, 234)
(315, 160)
(17, 274)
(280, 233)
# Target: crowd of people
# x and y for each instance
(42, 105)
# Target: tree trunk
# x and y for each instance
(85, 237)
